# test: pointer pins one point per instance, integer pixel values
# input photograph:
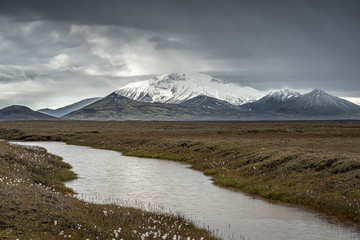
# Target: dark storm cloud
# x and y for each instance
(261, 43)
(16, 75)
(156, 15)
(34, 41)
(295, 30)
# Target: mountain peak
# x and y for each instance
(319, 95)
(318, 91)
(167, 81)
(179, 87)
(186, 77)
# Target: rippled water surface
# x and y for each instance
(107, 175)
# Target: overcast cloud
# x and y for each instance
(53, 53)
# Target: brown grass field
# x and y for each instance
(315, 165)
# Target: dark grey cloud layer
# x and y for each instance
(261, 43)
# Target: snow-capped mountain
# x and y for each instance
(272, 101)
(318, 103)
(177, 88)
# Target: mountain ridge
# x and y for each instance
(272, 101)
(59, 112)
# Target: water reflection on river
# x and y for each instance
(107, 175)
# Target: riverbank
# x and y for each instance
(35, 204)
(315, 165)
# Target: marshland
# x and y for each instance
(313, 165)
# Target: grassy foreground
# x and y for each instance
(35, 204)
(315, 165)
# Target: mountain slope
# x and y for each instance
(18, 113)
(272, 101)
(206, 102)
(177, 88)
(59, 112)
(117, 107)
(319, 103)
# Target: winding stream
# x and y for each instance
(108, 175)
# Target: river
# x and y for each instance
(109, 176)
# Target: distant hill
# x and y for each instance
(19, 113)
(319, 103)
(59, 112)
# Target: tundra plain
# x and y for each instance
(315, 165)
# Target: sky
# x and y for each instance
(53, 53)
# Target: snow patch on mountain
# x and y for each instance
(282, 95)
(179, 87)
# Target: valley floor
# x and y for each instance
(311, 164)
